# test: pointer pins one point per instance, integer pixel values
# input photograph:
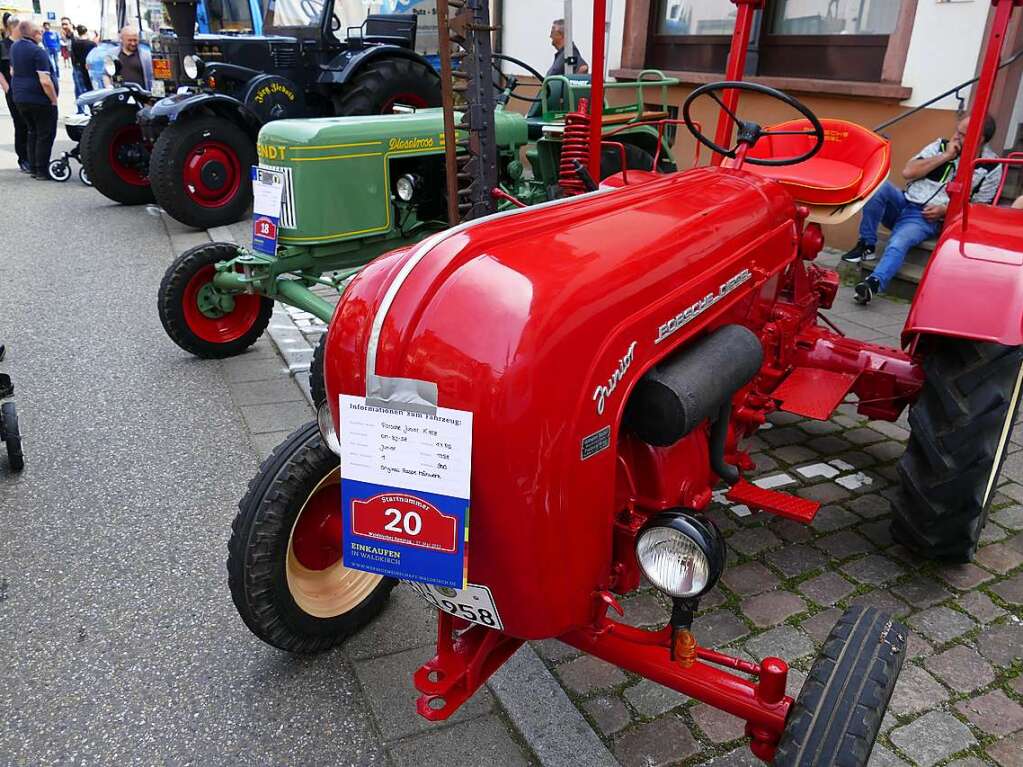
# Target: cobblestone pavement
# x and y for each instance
(958, 701)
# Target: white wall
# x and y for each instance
(527, 25)
(944, 49)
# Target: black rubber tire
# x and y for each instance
(836, 717)
(317, 387)
(960, 425)
(94, 148)
(372, 89)
(167, 163)
(59, 170)
(258, 549)
(171, 297)
(12, 436)
(636, 158)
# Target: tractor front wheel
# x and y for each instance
(201, 171)
(382, 83)
(837, 715)
(284, 559)
(317, 387)
(203, 320)
(115, 157)
(960, 428)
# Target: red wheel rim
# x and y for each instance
(212, 174)
(232, 325)
(408, 99)
(126, 137)
(316, 539)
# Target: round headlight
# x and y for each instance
(326, 426)
(407, 186)
(110, 66)
(680, 554)
(192, 66)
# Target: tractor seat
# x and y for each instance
(849, 167)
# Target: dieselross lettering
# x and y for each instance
(690, 313)
(402, 144)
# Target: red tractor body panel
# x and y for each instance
(973, 286)
(543, 337)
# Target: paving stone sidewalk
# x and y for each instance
(960, 698)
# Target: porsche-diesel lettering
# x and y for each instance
(690, 313)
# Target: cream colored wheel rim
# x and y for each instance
(333, 591)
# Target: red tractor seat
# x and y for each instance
(850, 166)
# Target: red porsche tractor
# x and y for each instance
(584, 372)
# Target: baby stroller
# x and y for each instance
(9, 432)
(60, 169)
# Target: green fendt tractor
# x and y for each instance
(357, 187)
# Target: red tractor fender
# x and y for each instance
(540, 321)
(973, 285)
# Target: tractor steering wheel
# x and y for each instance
(749, 133)
(496, 57)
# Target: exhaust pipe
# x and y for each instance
(693, 385)
(182, 15)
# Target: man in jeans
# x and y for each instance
(917, 214)
(34, 84)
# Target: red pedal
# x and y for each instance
(773, 502)
(814, 393)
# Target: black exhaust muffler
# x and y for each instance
(692, 385)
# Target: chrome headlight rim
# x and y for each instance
(700, 531)
(193, 67)
(325, 423)
(407, 187)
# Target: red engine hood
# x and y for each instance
(540, 321)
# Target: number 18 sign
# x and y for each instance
(405, 491)
(267, 193)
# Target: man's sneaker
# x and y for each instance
(861, 252)
(865, 290)
(24, 167)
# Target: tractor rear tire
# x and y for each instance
(837, 715)
(12, 436)
(382, 83)
(195, 331)
(288, 605)
(960, 426)
(636, 158)
(105, 131)
(317, 387)
(201, 171)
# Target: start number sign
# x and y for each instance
(267, 193)
(405, 492)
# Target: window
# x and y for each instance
(691, 34)
(826, 39)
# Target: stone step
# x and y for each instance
(909, 275)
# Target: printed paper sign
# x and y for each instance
(405, 491)
(267, 191)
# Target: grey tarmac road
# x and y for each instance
(118, 638)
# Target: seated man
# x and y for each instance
(917, 213)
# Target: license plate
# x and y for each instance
(161, 69)
(159, 90)
(474, 603)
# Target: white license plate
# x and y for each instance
(159, 89)
(473, 603)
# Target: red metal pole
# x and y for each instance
(597, 87)
(959, 190)
(735, 68)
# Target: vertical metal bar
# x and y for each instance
(960, 189)
(597, 87)
(448, 100)
(568, 51)
(734, 70)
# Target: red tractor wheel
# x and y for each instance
(284, 559)
(202, 319)
(115, 157)
(960, 428)
(382, 83)
(837, 715)
(200, 171)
